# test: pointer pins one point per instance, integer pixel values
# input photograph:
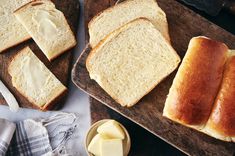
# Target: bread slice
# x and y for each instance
(47, 26)
(11, 31)
(33, 80)
(131, 61)
(120, 14)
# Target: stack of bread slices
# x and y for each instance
(48, 27)
(131, 51)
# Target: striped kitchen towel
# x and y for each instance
(45, 137)
(30, 138)
(7, 130)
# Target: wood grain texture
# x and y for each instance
(142, 142)
(183, 25)
(60, 66)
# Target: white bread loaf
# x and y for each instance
(11, 31)
(120, 14)
(47, 26)
(33, 80)
(131, 61)
(203, 91)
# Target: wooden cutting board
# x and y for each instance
(151, 146)
(183, 25)
(60, 66)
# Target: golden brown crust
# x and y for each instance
(31, 2)
(17, 43)
(52, 103)
(222, 118)
(54, 57)
(197, 82)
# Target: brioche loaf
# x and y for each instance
(47, 26)
(196, 83)
(131, 61)
(221, 123)
(114, 17)
(33, 80)
(203, 92)
(11, 31)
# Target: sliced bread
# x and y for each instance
(47, 26)
(120, 14)
(33, 80)
(131, 61)
(11, 31)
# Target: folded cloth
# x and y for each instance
(46, 137)
(7, 130)
(30, 138)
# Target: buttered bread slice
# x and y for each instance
(47, 26)
(131, 61)
(114, 17)
(33, 80)
(11, 31)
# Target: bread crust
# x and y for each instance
(197, 82)
(222, 118)
(123, 4)
(49, 104)
(113, 35)
(17, 43)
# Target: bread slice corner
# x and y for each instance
(34, 81)
(11, 32)
(116, 16)
(47, 26)
(131, 61)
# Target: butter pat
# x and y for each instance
(112, 130)
(111, 147)
(94, 146)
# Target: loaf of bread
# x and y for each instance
(11, 31)
(114, 17)
(47, 26)
(131, 61)
(221, 123)
(203, 92)
(34, 81)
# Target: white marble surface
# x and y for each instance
(77, 101)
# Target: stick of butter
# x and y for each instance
(111, 129)
(111, 147)
(94, 146)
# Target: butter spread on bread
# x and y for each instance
(47, 26)
(33, 80)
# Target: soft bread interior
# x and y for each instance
(11, 31)
(120, 14)
(131, 61)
